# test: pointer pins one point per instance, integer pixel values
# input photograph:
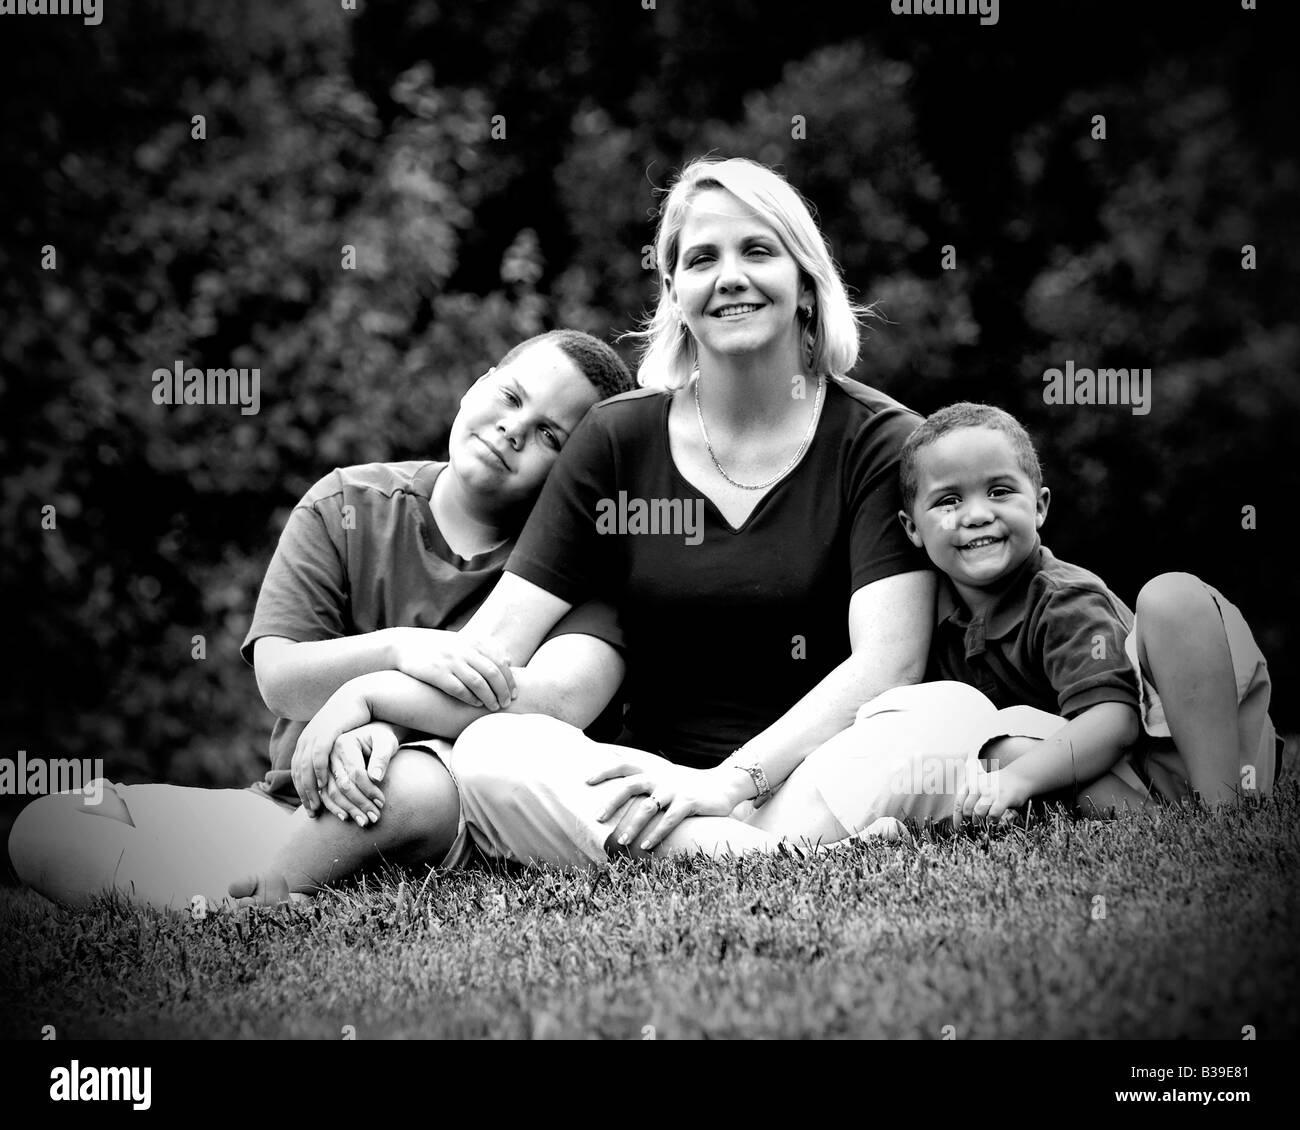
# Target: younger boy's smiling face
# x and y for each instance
(976, 511)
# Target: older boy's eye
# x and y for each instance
(551, 439)
(509, 397)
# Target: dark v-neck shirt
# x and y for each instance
(723, 636)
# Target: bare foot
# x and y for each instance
(886, 828)
(263, 890)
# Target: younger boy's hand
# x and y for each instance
(344, 710)
(989, 796)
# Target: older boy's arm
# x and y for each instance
(1082, 750)
(571, 677)
(296, 678)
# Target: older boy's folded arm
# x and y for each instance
(297, 678)
(571, 677)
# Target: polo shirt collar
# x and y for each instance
(1008, 609)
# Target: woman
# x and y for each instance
(752, 640)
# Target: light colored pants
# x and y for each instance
(523, 778)
(181, 843)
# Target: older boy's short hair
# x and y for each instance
(593, 358)
(966, 415)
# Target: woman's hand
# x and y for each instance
(358, 760)
(344, 710)
(671, 793)
(989, 796)
(471, 671)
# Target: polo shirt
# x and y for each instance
(1053, 638)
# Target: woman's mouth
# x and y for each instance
(737, 310)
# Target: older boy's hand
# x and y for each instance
(471, 671)
(358, 760)
(344, 710)
(988, 796)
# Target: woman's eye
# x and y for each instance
(509, 397)
(698, 260)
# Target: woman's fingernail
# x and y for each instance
(623, 839)
(374, 817)
(343, 817)
(645, 846)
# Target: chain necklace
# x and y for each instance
(803, 446)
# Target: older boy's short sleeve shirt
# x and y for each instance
(361, 551)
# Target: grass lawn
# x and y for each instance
(1182, 924)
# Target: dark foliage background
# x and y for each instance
(327, 128)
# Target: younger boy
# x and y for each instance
(1082, 700)
(1040, 682)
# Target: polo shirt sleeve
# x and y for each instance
(1081, 633)
(560, 548)
(305, 592)
(878, 547)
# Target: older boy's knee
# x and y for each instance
(421, 806)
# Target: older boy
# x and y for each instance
(376, 568)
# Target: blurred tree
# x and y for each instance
(327, 130)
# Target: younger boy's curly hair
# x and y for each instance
(966, 414)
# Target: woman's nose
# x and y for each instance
(731, 274)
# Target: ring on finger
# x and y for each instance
(657, 802)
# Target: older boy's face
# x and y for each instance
(976, 512)
(513, 422)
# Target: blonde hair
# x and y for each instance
(830, 335)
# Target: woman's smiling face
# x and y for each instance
(736, 284)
